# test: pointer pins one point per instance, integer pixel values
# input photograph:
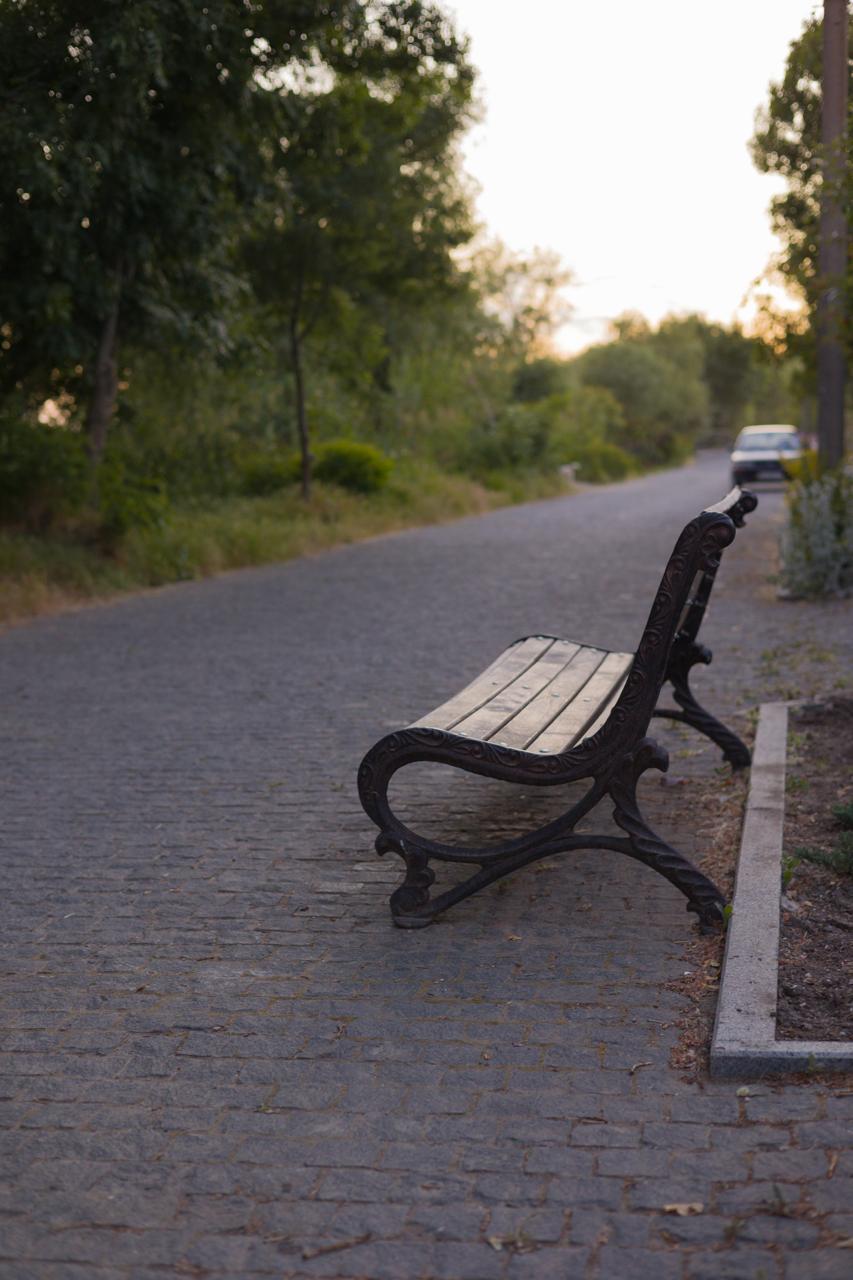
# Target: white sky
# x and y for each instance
(616, 133)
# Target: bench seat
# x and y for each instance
(542, 695)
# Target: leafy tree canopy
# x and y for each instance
(787, 141)
(128, 149)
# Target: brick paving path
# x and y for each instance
(220, 1059)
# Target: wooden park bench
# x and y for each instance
(551, 711)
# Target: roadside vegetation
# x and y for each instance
(817, 544)
(245, 311)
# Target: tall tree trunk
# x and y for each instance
(105, 388)
(832, 258)
(296, 337)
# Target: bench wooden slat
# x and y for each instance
(512, 663)
(498, 710)
(606, 708)
(588, 710)
(552, 701)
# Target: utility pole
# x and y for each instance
(832, 256)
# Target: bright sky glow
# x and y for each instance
(616, 133)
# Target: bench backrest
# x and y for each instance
(736, 505)
(677, 611)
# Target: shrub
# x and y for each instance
(360, 468)
(44, 473)
(817, 542)
(265, 473)
(128, 500)
(600, 461)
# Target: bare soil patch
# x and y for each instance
(816, 943)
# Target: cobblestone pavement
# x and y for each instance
(219, 1057)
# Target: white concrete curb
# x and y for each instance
(744, 1044)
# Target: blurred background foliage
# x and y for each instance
(238, 256)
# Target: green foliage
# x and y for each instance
(360, 468)
(843, 814)
(264, 473)
(570, 427)
(665, 406)
(127, 499)
(817, 542)
(600, 461)
(131, 154)
(243, 226)
(787, 142)
(538, 379)
(44, 474)
(789, 865)
(838, 859)
(363, 207)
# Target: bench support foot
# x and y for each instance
(646, 846)
(410, 902)
(693, 713)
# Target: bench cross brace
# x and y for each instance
(412, 907)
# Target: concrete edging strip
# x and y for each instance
(744, 1043)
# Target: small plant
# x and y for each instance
(796, 784)
(839, 858)
(361, 468)
(790, 862)
(817, 544)
(843, 814)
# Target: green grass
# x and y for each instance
(41, 574)
(838, 859)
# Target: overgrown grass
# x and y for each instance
(41, 574)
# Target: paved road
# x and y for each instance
(221, 1060)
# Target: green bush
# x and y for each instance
(519, 437)
(817, 542)
(599, 461)
(44, 473)
(360, 468)
(265, 473)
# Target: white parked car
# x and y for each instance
(761, 452)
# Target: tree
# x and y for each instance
(363, 207)
(128, 155)
(787, 141)
(665, 406)
(524, 294)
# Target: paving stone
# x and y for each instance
(208, 1019)
(818, 1264)
(781, 1167)
(615, 1263)
(562, 1263)
(733, 1264)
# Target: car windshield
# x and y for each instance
(768, 440)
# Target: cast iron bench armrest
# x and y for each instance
(549, 711)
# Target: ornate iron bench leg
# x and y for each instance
(413, 908)
(410, 902)
(693, 713)
(646, 846)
